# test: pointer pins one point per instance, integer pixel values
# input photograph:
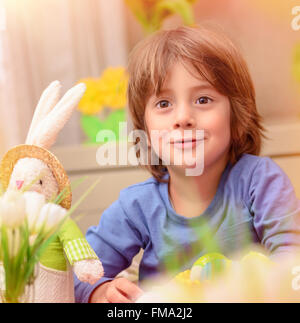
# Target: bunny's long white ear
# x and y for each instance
(47, 130)
(48, 100)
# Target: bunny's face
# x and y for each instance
(35, 174)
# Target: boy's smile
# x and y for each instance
(187, 114)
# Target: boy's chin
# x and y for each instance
(195, 169)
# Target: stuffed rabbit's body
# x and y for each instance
(69, 251)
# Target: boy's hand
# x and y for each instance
(119, 290)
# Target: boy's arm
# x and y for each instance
(115, 241)
(275, 207)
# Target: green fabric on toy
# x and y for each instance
(55, 255)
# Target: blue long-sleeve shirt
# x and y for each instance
(255, 203)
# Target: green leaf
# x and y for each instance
(206, 236)
(77, 182)
(90, 126)
(182, 255)
(142, 10)
(85, 194)
(111, 123)
(180, 7)
(151, 13)
(62, 195)
(113, 120)
(27, 187)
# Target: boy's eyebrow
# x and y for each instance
(202, 87)
(192, 89)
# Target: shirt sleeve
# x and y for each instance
(115, 241)
(275, 208)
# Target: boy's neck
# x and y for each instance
(191, 195)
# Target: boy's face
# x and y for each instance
(189, 121)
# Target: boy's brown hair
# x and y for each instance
(213, 55)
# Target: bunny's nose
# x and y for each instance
(19, 184)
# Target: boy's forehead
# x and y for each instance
(198, 85)
(195, 81)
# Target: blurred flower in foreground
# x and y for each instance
(27, 225)
(253, 278)
(12, 209)
(34, 204)
(50, 217)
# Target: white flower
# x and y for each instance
(51, 216)
(34, 203)
(12, 209)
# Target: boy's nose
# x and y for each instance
(184, 118)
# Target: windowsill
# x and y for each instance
(83, 157)
(284, 140)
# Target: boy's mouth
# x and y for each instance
(186, 142)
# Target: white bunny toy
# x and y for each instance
(21, 166)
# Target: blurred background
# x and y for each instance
(68, 40)
(73, 40)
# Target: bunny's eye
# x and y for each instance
(41, 182)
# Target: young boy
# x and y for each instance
(184, 81)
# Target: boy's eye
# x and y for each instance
(203, 100)
(163, 104)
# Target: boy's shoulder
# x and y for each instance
(141, 199)
(252, 162)
(252, 166)
(141, 190)
(253, 173)
(144, 185)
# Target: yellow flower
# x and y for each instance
(107, 91)
(92, 100)
(113, 86)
